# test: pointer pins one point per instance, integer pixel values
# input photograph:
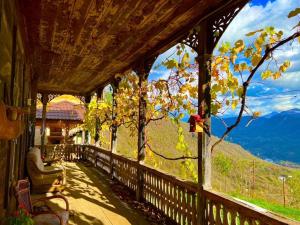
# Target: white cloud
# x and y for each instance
(274, 13)
(270, 103)
(288, 80)
(253, 17)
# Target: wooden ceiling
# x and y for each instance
(79, 45)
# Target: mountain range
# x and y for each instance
(274, 137)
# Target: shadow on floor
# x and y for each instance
(92, 201)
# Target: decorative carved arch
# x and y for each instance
(51, 96)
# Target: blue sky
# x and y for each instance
(264, 96)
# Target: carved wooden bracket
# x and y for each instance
(217, 25)
(11, 123)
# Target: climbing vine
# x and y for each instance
(232, 68)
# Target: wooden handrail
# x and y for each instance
(176, 198)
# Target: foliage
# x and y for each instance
(187, 165)
(99, 111)
(232, 70)
(20, 217)
(223, 163)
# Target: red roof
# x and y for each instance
(64, 110)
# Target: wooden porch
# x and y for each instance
(89, 170)
(74, 47)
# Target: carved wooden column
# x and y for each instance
(114, 128)
(142, 71)
(203, 38)
(67, 134)
(87, 100)
(204, 107)
(83, 137)
(43, 127)
(33, 96)
(97, 128)
(141, 134)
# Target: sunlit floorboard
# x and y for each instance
(92, 201)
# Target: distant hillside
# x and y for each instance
(240, 178)
(273, 137)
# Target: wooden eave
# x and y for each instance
(79, 45)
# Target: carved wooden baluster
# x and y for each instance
(218, 212)
(145, 196)
(181, 205)
(207, 211)
(152, 189)
(255, 222)
(233, 217)
(211, 213)
(189, 208)
(155, 190)
(164, 195)
(194, 209)
(149, 187)
(176, 195)
(167, 191)
(173, 193)
(184, 206)
(242, 219)
(225, 216)
(160, 194)
(172, 205)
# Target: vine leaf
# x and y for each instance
(294, 13)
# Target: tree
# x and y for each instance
(175, 95)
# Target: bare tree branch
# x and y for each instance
(169, 158)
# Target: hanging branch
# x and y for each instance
(268, 52)
(169, 158)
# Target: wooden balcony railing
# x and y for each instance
(176, 198)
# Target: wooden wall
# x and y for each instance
(15, 86)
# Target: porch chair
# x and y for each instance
(42, 215)
(44, 179)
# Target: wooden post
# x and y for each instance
(204, 102)
(33, 96)
(114, 128)
(43, 128)
(97, 128)
(87, 100)
(141, 135)
(83, 137)
(67, 126)
(142, 71)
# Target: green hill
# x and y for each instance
(235, 171)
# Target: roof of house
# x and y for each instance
(64, 110)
